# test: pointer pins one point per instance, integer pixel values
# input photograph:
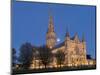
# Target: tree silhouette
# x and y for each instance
(35, 54)
(13, 57)
(26, 55)
(60, 57)
(45, 55)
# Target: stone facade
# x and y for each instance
(73, 48)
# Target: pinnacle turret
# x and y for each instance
(51, 35)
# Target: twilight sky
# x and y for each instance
(30, 23)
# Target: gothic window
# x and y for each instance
(77, 50)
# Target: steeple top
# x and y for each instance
(51, 35)
(67, 36)
(51, 25)
(83, 38)
(67, 32)
(76, 37)
(50, 18)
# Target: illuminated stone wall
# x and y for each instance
(73, 48)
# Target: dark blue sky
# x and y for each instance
(30, 23)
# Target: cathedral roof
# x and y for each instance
(72, 38)
(75, 37)
(59, 45)
(67, 34)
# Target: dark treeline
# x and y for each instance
(27, 53)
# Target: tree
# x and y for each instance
(26, 55)
(13, 57)
(35, 54)
(45, 55)
(60, 57)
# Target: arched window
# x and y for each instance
(77, 50)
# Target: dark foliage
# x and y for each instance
(45, 55)
(60, 57)
(14, 58)
(26, 55)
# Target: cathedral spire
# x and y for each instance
(51, 25)
(76, 39)
(50, 19)
(76, 36)
(67, 37)
(51, 35)
(83, 38)
(67, 32)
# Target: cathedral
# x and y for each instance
(73, 48)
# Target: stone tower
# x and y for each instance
(76, 39)
(50, 36)
(84, 47)
(67, 49)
